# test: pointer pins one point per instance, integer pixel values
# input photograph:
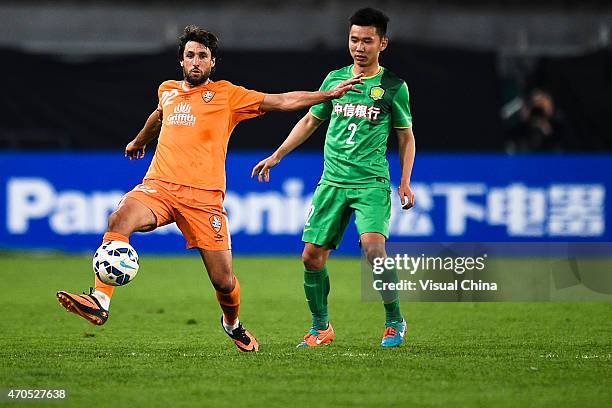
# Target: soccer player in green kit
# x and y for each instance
(356, 172)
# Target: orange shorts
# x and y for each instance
(198, 213)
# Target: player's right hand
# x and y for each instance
(262, 169)
(134, 151)
(346, 86)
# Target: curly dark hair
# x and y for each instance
(199, 35)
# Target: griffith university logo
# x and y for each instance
(377, 93)
(207, 96)
(182, 115)
(182, 107)
(215, 222)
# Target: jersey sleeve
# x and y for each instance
(245, 103)
(159, 98)
(323, 110)
(400, 110)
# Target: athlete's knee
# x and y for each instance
(117, 222)
(131, 217)
(313, 260)
(373, 251)
(223, 283)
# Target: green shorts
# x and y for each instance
(332, 208)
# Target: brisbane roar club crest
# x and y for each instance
(377, 93)
(207, 96)
(215, 223)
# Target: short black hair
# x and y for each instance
(371, 17)
(199, 35)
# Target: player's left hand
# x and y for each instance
(406, 196)
(346, 86)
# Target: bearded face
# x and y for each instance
(197, 63)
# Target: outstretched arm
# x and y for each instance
(292, 101)
(136, 148)
(407, 150)
(298, 135)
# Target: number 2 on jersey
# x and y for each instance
(311, 211)
(352, 128)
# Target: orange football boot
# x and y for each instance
(244, 340)
(85, 305)
(315, 338)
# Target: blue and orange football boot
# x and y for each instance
(394, 334)
(315, 338)
(243, 339)
(85, 305)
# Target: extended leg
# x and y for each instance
(131, 216)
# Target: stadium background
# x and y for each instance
(79, 79)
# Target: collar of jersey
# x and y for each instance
(188, 88)
(380, 71)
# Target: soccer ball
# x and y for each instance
(115, 263)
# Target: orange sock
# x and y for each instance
(104, 288)
(230, 303)
(99, 285)
(115, 236)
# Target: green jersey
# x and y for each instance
(359, 126)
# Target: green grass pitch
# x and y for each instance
(163, 345)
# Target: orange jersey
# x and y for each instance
(196, 127)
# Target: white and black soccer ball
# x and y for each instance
(115, 263)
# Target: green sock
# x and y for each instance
(316, 287)
(392, 313)
(390, 298)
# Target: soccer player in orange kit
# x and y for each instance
(186, 180)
